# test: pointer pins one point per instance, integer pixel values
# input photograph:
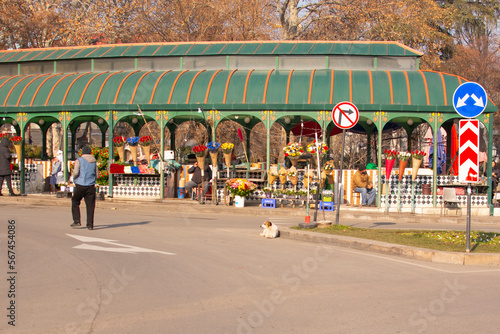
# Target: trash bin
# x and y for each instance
(426, 189)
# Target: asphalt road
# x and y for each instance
(189, 273)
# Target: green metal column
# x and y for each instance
(162, 150)
(65, 144)
(22, 168)
(489, 168)
(436, 132)
(379, 159)
(268, 145)
(111, 150)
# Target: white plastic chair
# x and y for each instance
(450, 201)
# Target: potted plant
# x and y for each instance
(327, 195)
(267, 191)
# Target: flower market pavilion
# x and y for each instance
(253, 82)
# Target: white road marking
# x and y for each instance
(120, 249)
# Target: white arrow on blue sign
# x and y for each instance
(470, 99)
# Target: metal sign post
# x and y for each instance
(345, 115)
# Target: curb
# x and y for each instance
(422, 254)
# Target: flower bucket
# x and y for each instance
(147, 151)
(294, 179)
(414, 169)
(133, 151)
(201, 162)
(18, 152)
(272, 178)
(402, 166)
(239, 202)
(121, 152)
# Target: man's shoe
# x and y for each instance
(90, 227)
(75, 225)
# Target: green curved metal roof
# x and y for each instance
(249, 90)
(368, 48)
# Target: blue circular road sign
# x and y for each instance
(470, 99)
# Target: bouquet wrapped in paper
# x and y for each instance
(227, 150)
(328, 168)
(213, 150)
(403, 161)
(119, 143)
(201, 152)
(272, 175)
(293, 176)
(308, 178)
(145, 142)
(17, 141)
(417, 161)
(282, 173)
(390, 159)
(132, 143)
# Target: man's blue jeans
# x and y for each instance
(367, 195)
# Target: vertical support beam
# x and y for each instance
(489, 167)
(22, 167)
(65, 144)
(111, 128)
(368, 146)
(379, 159)
(436, 133)
(268, 145)
(44, 142)
(162, 150)
(73, 144)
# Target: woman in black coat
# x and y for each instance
(5, 171)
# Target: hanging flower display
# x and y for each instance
(293, 150)
(16, 140)
(227, 148)
(317, 146)
(391, 154)
(213, 147)
(145, 140)
(200, 150)
(418, 154)
(133, 141)
(403, 161)
(119, 141)
(240, 187)
(390, 159)
(417, 161)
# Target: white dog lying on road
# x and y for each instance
(270, 230)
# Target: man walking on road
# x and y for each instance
(5, 171)
(84, 175)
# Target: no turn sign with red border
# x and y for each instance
(345, 115)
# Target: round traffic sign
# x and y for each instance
(345, 115)
(470, 99)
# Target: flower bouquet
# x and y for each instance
(390, 159)
(240, 187)
(213, 150)
(417, 161)
(132, 143)
(267, 191)
(293, 176)
(227, 149)
(282, 173)
(293, 151)
(403, 161)
(327, 195)
(308, 178)
(17, 141)
(119, 143)
(272, 174)
(145, 142)
(328, 168)
(314, 147)
(201, 152)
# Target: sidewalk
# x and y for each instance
(371, 217)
